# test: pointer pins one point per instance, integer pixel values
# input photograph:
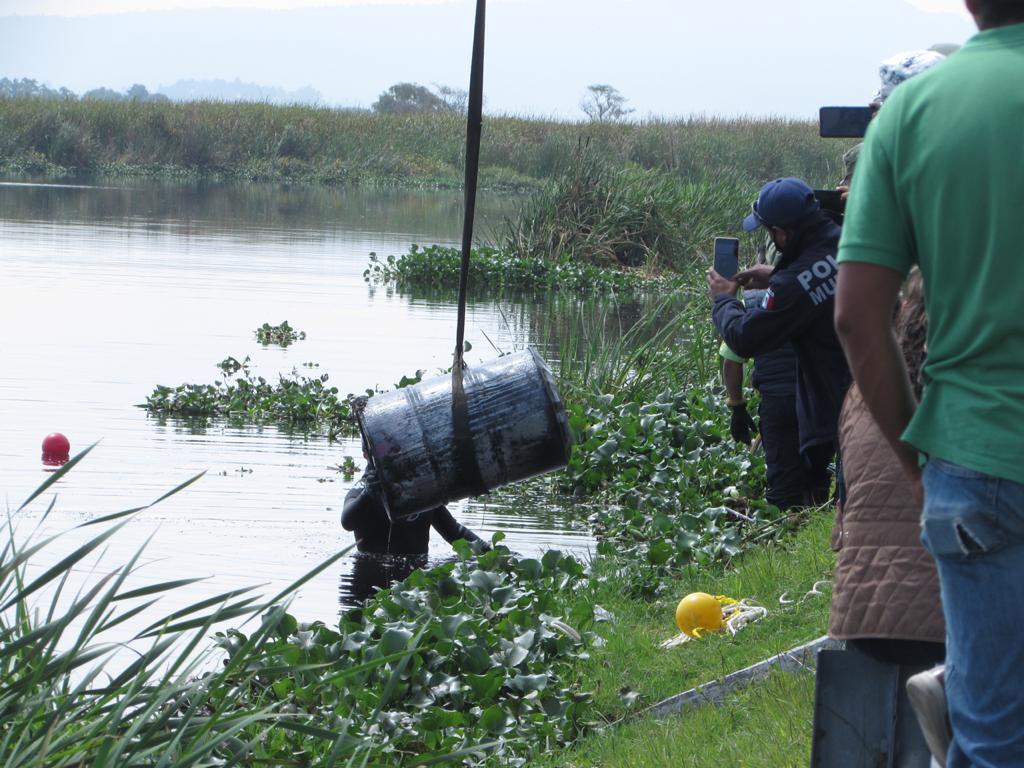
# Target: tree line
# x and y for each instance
(601, 102)
(28, 88)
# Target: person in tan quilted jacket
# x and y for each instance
(886, 596)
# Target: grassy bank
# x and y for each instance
(260, 142)
(769, 721)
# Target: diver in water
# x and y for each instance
(363, 512)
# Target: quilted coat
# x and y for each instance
(886, 585)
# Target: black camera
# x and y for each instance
(844, 122)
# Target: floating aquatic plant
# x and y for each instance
(438, 266)
(282, 335)
(295, 401)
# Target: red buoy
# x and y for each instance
(56, 449)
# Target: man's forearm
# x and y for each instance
(877, 366)
(865, 297)
(732, 376)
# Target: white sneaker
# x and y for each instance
(927, 694)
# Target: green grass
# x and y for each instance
(768, 725)
(260, 142)
(632, 660)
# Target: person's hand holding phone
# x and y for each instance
(755, 277)
(718, 285)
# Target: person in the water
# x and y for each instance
(363, 512)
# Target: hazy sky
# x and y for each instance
(669, 57)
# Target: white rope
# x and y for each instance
(784, 598)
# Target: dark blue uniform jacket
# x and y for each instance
(775, 371)
(798, 308)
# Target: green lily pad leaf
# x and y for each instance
(517, 655)
(528, 683)
(526, 639)
(485, 687)
(483, 581)
(450, 624)
(531, 568)
(550, 559)
(501, 595)
(394, 640)
(355, 641)
(478, 660)
(493, 719)
(420, 699)
(659, 553)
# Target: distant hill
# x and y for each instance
(236, 90)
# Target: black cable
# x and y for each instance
(465, 455)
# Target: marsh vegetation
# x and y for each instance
(494, 657)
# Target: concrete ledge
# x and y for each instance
(793, 660)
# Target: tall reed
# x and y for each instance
(260, 142)
(637, 362)
(77, 688)
(625, 217)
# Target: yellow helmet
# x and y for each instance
(697, 611)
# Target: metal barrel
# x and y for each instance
(516, 418)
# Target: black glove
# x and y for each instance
(370, 481)
(741, 425)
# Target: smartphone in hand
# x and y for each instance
(727, 256)
(830, 199)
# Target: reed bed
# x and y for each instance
(264, 142)
(625, 217)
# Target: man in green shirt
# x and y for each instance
(940, 183)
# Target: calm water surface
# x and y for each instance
(106, 292)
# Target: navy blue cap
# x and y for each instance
(780, 203)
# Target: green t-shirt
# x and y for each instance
(940, 183)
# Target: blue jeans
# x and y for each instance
(974, 526)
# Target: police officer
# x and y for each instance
(797, 308)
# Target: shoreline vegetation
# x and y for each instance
(261, 142)
(492, 659)
(500, 660)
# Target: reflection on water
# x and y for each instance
(369, 573)
(107, 292)
(250, 210)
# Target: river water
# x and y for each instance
(109, 291)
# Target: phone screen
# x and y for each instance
(844, 122)
(727, 256)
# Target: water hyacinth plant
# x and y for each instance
(477, 666)
(494, 269)
(282, 335)
(468, 661)
(294, 401)
(263, 142)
